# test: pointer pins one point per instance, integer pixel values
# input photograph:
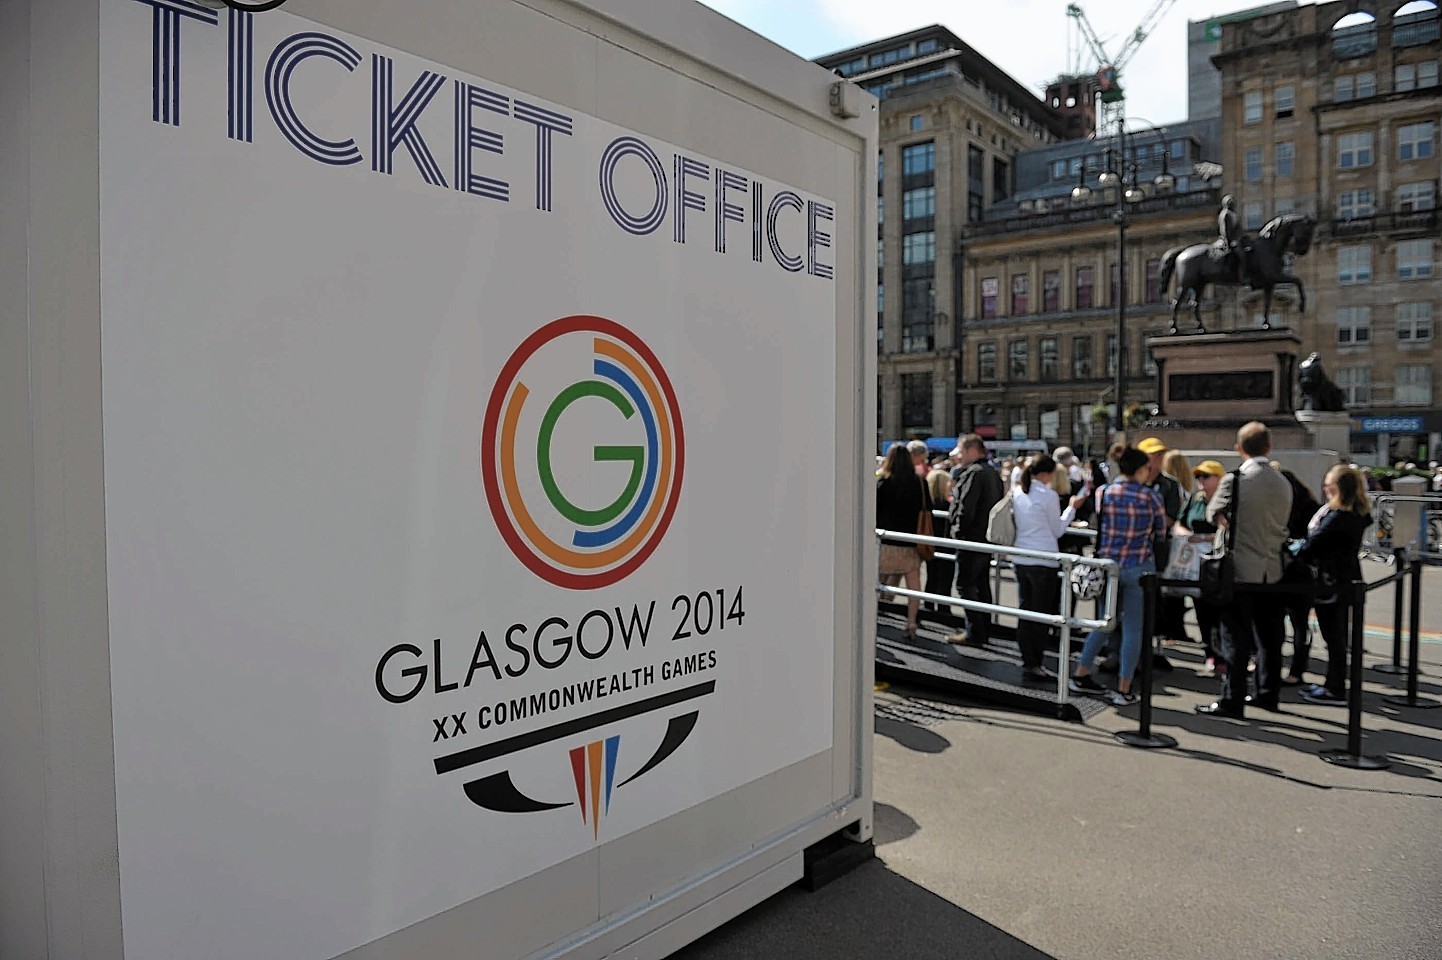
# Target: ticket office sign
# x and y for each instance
(439, 546)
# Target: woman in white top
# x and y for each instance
(1040, 522)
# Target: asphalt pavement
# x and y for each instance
(1007, 836)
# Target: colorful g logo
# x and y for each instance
(624, 396)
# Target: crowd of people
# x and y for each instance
(1140, 500)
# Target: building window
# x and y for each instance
(989, 287)
(1252, 107)
(918, 122)
(1000, 179)
(1286, 157)
(1016, 356)
(1051, 291)
(1114, 285)
(1020, 287)
(1354, 150)
(1154, 287)
(1414, 76)
(1354, 326)
(926, 46)
(1414, 322)
(1058, 169)
(918, 334)
(1416, 197)
(1355, 86)
(1081, 358)
(986, 362)
(1049, 358)
(973, 206)
(880, 301)
(1084, 283)
(1412, 385)
(1354, 264)
(1354, 204)
(1017, 420)
(880, 166)
(1149, 359)
(1252, 164)
(918, 158)
(918, 248)
(918, 203)
(1252, 215)
(916, 402)
(1414, 259)
(880, 209)
(1111, 354)
(1414, 141)
(1282, 99)
(1356, 384)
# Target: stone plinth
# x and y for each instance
(1329, 431)
(1215, 379)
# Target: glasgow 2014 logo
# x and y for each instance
(579, 380)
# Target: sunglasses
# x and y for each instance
(1202, 476)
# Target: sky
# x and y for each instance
(1029, 39)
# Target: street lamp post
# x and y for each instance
(1122, 174)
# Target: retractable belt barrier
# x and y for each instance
(1066, 621)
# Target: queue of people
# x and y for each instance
(1137, 501)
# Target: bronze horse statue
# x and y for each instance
(1263, 266)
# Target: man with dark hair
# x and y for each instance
(978, 489)
(1253, 620)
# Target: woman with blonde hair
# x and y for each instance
(900, 497)
(1175, 465)
(1334, 536)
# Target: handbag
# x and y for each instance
(1217, 576)
(924, 527)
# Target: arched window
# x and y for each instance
(1353, 36)
(1415, 23)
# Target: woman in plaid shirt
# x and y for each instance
(1130, 515)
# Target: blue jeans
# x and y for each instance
(1130, 598)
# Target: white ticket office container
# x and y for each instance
(388, 567)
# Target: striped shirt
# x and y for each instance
(1131, 515)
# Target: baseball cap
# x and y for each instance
(1152, 445)
(1211, 468)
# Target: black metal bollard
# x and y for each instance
(1399, 562)
(1352, 756)
(1144, 737)
(1414, 614)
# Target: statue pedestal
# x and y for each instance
(1329, 431)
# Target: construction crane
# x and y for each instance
(1109, 67)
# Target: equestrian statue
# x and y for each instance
(1233, 259)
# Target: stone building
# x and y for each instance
(952, 125)
(1334, 109)
(1041, 294)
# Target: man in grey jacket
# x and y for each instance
(1253, 621)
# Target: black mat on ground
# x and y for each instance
(990, 674)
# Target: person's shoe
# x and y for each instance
(1037, 675)
(1219, 709)
(1271, 706)
(958, 638)
(1085, 686)
(1118, 699)
(1292, 681)
(1324, 698)
(1209, 669)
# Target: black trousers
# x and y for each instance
(1252, 622)
(1298, 609)
(1040, 591)
(1209, 622)
(939, 576)
(973, 582)
(1334, 620)
(1171, 618)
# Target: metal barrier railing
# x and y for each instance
(1066, 621)
(1422, 541)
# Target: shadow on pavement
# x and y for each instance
(871, 912)
(911, 736)
(890, 824)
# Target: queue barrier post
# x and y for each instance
(1414, 615)
(1399, 560)
(1144, 737)
(1352, 756)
